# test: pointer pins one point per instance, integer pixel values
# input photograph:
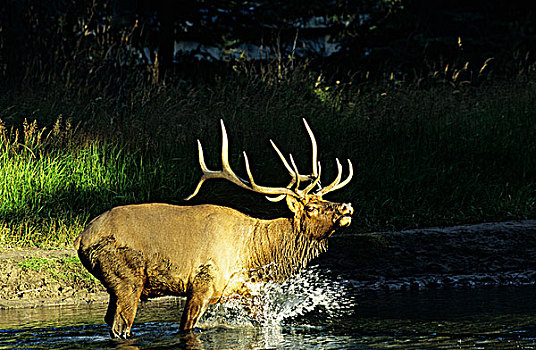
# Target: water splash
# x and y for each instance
(309, 295)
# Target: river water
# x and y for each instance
(315, 311)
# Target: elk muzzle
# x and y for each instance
(345, 212)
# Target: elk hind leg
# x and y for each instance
(124, 279)
(198, 296)
(122, 307)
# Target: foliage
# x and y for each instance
(54, 182)
(443, 155)
(438, 121)
(401, 36)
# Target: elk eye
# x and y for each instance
(310, 209)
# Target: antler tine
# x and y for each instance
(295, 170)
(285, 163)
(296, 176)
(248, 170)
(347, 180)
(283, 191)
(313, 183)
(336, 181)
(228, 174)
(281, 197)
(303, 192)
(314, 148)
(203, 168)
(337, 184)
(227, 171)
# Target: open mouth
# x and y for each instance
(345, 221)
(345, 211)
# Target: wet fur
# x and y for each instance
(201, 252)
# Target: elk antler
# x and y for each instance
(228, 174)
(315, 176)
(337, 184)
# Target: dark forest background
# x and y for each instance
(407, 37)
(433, 101)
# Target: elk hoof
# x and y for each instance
(120, 330)
(119, 335)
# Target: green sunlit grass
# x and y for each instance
(50, 188)
(422, 157)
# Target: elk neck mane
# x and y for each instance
(278, 248)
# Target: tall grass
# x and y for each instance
(52, 184)
(435, 156)
(446, 156)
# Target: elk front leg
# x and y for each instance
(198, 296)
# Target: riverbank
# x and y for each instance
(39, 277)
(490, 254)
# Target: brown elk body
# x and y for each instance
(207, 252)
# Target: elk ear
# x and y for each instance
(294, 204)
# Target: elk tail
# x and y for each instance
(76, 243)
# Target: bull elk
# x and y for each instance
(209, 252)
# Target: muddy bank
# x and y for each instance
(37, 277)
(473, 255)
(489, 254)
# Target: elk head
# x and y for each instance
(313, 215)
